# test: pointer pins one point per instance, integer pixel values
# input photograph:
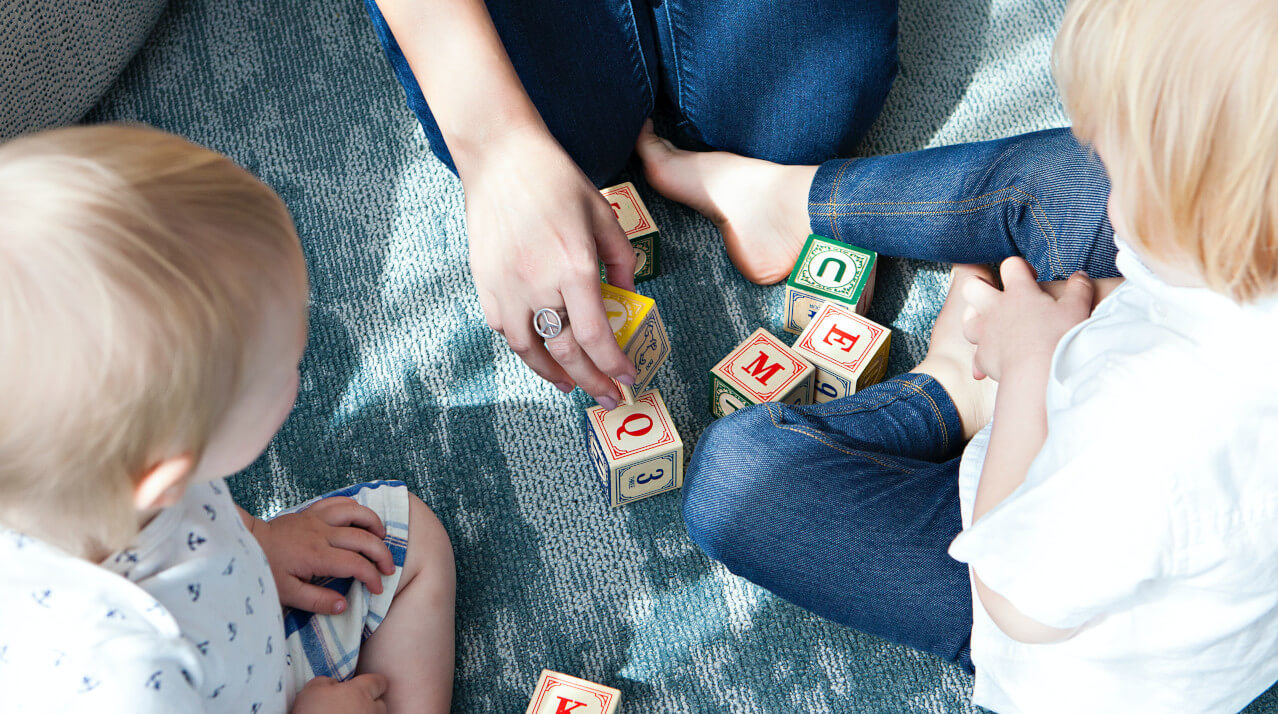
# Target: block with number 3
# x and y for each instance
(761, 369)
(828, 272)
(637, 325)
(563, 694)
(849, 352)
(634, 449)
(639, 227)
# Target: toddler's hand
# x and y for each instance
(358, 695)
(1021, 324)
(335, 537)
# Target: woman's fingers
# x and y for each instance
(523, 341)
(570, 355)
(592, 326)
(614, 249)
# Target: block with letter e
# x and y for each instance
(828, 271)
(849, 352)
(634, 449)
(563, 694)
(639, 227)
(761, 369)
(637, 325)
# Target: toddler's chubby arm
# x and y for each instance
(1016, 331)
(335, 537)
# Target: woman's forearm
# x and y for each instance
(463, 71)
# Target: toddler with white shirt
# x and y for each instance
(153, 313)
(1120, 511)
(1108, 541)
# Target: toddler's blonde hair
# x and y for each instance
(1181, 99)
(133, 265)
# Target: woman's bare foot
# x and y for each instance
(949, 356)
(761, 208)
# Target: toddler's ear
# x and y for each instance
(163, 484)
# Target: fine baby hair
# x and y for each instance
(1178, 97)
(132, 265)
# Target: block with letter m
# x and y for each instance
(760, 369)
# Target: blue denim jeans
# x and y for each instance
(729, 75)
(1040, 196)
(845, 508)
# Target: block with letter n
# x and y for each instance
(558, 693)
(637, 325)
(761, 369)
(634, 449)
(639, 227)
(849, 352)
(828, 271)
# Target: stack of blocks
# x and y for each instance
(635, 449)
(639, 227)
(562, 694)
(837, 353)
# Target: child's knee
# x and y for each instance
(430, 552)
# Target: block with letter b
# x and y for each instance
(563, 694)
(637, 325)
(761, 369)
(639, 227)
(828, 271)
(634, 449)
(849, 352)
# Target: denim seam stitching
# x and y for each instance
(912, 203)
(834, 193)
(645, 81)
(1048, 233)
(1029, 199)
(678, 63)
(894, 397)
(936, 411)
(817, 437)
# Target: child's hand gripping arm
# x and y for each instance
(361, 694)
(335, 537)
(1016, 331)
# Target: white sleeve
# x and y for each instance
(1093, 525)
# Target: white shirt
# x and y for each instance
(1150, 517)
(185, 620)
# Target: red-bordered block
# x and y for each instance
(849, 351)
(760, 369)
(635, 450)
(559, 693)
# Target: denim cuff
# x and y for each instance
(823, 194)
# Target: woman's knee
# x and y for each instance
(735, 457)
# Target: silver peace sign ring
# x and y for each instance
(549, 322)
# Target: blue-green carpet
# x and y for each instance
(403, 380)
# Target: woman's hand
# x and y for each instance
(1022, 323)
(538, 229)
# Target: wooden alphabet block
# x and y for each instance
(761, 369)
(849, 352)
(562, 694)
(635, 450)
(637, 325)
(828, 271)
(635, 220)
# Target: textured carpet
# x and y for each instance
(402, 380)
